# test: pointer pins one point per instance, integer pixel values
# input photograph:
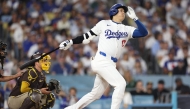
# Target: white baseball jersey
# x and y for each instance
(112, 36)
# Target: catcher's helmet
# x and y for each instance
(44, 62)
(114, 9)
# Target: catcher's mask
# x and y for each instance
(44, 62)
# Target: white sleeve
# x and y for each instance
(97, 28)
(130, 30)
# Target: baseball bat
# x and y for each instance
(31, 62)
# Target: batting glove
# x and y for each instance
(131, 13)
(65, 45)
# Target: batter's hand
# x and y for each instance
(131, 13)
(65, 45)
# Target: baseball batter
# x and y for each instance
(113, 36)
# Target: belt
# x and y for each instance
(112, 58)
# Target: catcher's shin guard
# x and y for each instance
(50, 100)
(34, 97)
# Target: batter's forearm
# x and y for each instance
(78, 40)
(141, 31)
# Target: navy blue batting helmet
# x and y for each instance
(114, 9)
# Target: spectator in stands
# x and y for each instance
(1, 100)
(125, 64)
(72, 96)
(7, 89)
(63, 99)
(142, 63)
(156, 46)
(181, 68)
(180, 86)
(63, 23)
(170, 63)
(137, 69)
(139, 90)
(27, 43)
(185, 91)
(71, 58)
(1, 97)
(79, 70)
(127, 100)
(177, 11)
(39, 46)
(129, 79)
(5, 15)
(160, 92)
(106, 94)
(167, 35)
(163, 51)
(49, 5)
(56, 17)
(61, 67)
(86, 63)
(183, 50)
(9, 85)
(149, 88)
(149, 9)
(186, 16)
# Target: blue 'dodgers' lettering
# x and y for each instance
(109, 34)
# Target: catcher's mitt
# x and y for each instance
(54, 85)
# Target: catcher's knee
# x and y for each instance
(33, 98)
(50, 101)
(35, 95)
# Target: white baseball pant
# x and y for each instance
(106, 74)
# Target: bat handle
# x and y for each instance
(28, 64)
(49, 52)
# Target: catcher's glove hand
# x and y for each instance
(54, 85)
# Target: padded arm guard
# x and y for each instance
(54, 85)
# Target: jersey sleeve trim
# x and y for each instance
(85, 37)
(92, 33)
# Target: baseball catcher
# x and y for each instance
(31, 90)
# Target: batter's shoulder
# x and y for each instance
(32, 74)
(103, 22)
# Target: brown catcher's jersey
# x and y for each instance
(35, 79)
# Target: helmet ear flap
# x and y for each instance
(113, 12)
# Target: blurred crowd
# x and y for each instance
(28, 26)
(161, 93)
